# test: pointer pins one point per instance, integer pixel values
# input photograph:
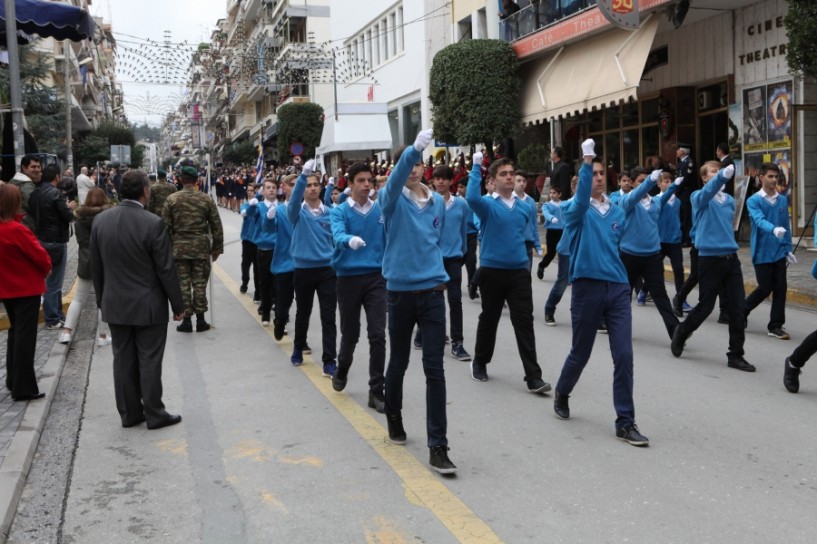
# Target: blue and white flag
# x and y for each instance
(259, 166)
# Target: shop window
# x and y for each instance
(650, 141)
(411, 121)
(629, 114)
(594, 121)
(631, 148)
(649, 111)
(612, 143)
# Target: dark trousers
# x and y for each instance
(426, 309)
(595, 301)
(308, 282)
(805, 350)
(21, 345)
(498, 286)
(285, 294)
(453, 267)
(559, 287)
(471, 257)
(676, 260)
(718, 273)
(686, 216)
(651, 269)
(249, 255)
(692, 281)
(771, 280)
(369, 292)
(137, 372)
(552, 237)
(267, 281)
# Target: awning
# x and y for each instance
(50, 20)
(359, 127)
(593, 74)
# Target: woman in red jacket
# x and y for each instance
(22, 281)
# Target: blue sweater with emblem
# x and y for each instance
(550, 210)
(669, 220)
(713, 220)
(640, 235)
(594, 235)
(282, 258)
(413, 260)
(311, 234)
(766, 247)
(348, 221)
(248, 223)
(455, 230)
(504, 229)
(264, 235)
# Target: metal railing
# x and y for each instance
(538, 14)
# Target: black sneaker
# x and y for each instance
(458, 352)
(185, 326)
(418, 341)
(791, 377)
(256, 298)
(340, 377)
(377, 401)
(397, 435)
(478, 371)
(678, 341)
(602, 329)
(243, 288)
(439, 461)
(538, 385)
(540, 270)
(723, 318)
(740, 363)
(677, 306)
(549, 321)
(307, 350)
(279, 331)
(560, 406)
(632, 436)
(472, 292)
(780, 333)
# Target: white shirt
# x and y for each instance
(720, 196)
(646, 202)
(363, 209)
(419, 201)
(320, 210)
(770, 198)
(507, 201)
(601, 206)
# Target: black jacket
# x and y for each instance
(51, 216)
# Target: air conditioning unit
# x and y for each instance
(704, 100)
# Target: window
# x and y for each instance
(411, 121)
(629, 133)
(375, 44)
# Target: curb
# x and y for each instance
(14, 471)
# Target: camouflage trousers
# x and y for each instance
(193, 276)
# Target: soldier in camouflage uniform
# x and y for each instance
(192, 219)
(159, 191)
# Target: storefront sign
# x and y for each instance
(586, 22)
(622, 13)
(761, 41)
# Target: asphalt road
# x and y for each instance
(269, 453)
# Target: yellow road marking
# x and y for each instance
(421, 486)
(173, 445)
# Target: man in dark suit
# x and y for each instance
(134, 277)
(560, 173)
(722, 152)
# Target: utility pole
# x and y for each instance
(14, 82)
(69, 147)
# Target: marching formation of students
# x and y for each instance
(394, 248)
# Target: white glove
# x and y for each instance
(356, 242)
(271, 212)
(244, 212)
(477, 158)
(589, 148)
(780, 232)
(791, 258)
(331, 181)
(655, 175)
(309, 167)
(678, 181)
(423, 139)
(347, 191)
(254, 202)
(729, 171)
(540, 252)
(554, 220)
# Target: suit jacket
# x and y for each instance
(729, 187)
(132, 266)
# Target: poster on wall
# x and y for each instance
(741, 188)
(753, 161)
(735, 136)
(782, 158)
(754, 119)
(778, 113)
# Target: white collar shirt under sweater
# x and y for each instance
(419, 201)
(770, 198)
(320, 210)
(362, 209)
(509, 202)
(601, 205)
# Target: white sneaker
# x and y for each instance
(65, 338)
(265, 323)
(103, 341)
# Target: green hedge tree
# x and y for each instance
(801, 30)
(241, 153)
(474, 92)
(302, 123)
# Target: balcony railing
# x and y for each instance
(538, 14)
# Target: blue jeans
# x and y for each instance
(52, 299)
(558, 289)
(426, 309)
(593, 300)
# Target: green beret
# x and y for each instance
(190, 171)
(162, 174)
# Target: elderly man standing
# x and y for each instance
(84, 184)
(134, 278)
(192, 220)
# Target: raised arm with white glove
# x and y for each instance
(678, 181)
(423, 139)
(729, 171)
(589, 148)
(477, 159)
(309, 167)
(655, 175)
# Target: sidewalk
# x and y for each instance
(22, 422)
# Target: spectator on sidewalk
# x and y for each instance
(22, 281)
(26, 180)
(52, 217)
(84, 184)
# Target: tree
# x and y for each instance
(241, 153)
(93, 149)
(96, 146)
(302, 123)
(533, 158)
(474, 92)
(801, 30)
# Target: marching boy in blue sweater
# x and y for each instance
(669, 233)
(416, 281)
(771, 248)
(552, 213)
(504, 274)
(360, 240)
(312, 252)
(600, 290)
(264, 239)
(283, 267)
(249, 250)
(718, 265)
